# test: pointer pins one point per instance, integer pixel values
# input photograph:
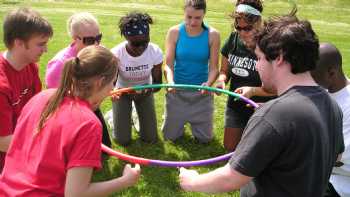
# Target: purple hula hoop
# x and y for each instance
(144, 161)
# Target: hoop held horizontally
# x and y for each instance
(185, 86)
(143, 161)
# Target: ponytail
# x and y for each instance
(65, 88)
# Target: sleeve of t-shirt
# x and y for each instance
(116, 50)
(158, 55)
(227, 46)
(6, 116)
(53, 73)
(86, 151)
(259, 145)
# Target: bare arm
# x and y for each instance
(170, 45)
(78, 182)
(6, 122)
(222, 79)
(249, 91)
(157, 75)
(5, 142)
(214, 43)
(339, 156)
(223, 179)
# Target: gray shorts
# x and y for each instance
(192, 107)
(235, 119)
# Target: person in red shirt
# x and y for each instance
(26, 35)
(57, 141)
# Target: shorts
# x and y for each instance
(235, 119)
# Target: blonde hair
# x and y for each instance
(78, 77)
(78, 20)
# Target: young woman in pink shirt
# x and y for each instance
(57, 140)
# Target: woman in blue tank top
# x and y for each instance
(192, 50)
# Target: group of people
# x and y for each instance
(287, 147)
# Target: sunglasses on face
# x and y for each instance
(247, 28)
(90, 40)
(140, 43)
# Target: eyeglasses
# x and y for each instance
(247, 28)
(90, 40)
(139, 43)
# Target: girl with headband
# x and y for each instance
(140, 63)
(84, 29)
(57, 140)
(192, 58)
(238, 66)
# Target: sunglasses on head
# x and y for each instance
(90, 40)
(139, 43)
(246, 28)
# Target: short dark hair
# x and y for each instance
(22, 24)
(196, 4)
(330, 57)
(292, 38)
(330, 62)
(131, 18)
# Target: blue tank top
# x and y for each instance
(191, 57)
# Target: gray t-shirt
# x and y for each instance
(291, 144)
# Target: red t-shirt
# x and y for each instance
(16, 88)
(37, 165)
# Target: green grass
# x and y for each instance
(330, 19)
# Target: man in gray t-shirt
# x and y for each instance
(291, 143)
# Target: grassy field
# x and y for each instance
(330, 19)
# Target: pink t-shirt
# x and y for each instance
(37, 165)
(16, 88)
(55, 66)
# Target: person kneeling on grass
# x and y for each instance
(140, 63)
(57, 140)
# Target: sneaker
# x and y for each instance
(134, 118)
(109, 119)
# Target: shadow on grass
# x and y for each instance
(160, 181)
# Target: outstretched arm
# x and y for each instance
(248, 91)
(78, 182)
(223, 179)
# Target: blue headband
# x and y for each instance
(139, 28)
(243, 8)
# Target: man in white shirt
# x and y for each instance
(329, 74)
